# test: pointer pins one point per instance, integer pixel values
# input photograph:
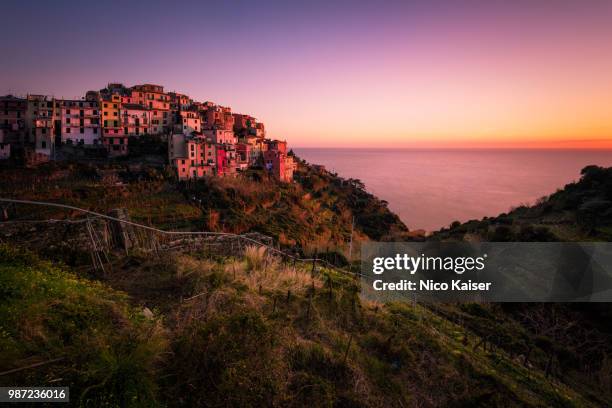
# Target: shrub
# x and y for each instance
(255, 257)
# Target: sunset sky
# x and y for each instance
(408, 74)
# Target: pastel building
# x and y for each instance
(43, 123)
(278, 162)
(192, 157)
(215, 116)
(246, 125)
(189, 122)
(158, 103)
(111, 115)
(80, 122)
(220, 136)
(135, 119)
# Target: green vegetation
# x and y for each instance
(105, 349)
(250, 331)
(581, 211)
(199, 329)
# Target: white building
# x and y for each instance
(80, 122)
(220, 136)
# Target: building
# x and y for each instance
(5, 147)
(114, 137)
(158, 103)
(278, 162)
(246, 125)
(80, 122)
(189, 122)
(135, 119)
(179, 101)
(43, 124)
(217, 117)
(220, 135)
(111, 115)
(12, 119)
(192, 156)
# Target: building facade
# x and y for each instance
(80, 122)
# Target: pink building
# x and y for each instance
(216, 116)
(135, 119)
(277, 162)
(193, 157)
(158, 103)
(189, 122)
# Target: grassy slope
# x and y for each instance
(243, 338)
(314, 213)
(250, 332)
(107, 349)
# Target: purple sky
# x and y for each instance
(343, 74)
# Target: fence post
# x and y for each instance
(314, 264)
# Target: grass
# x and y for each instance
(108, 350)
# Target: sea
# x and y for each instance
(431, 188)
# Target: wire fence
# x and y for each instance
(103, 234)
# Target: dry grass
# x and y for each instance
(259, 269)
(255, 257)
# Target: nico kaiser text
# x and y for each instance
(413, 264)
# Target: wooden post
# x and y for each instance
(309, 307)
(351, 242)
(314, 264)
(348, 347)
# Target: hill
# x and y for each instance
(199, 328)
(581, 211)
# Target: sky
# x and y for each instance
(462, 73)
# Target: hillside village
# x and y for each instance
(204, 139)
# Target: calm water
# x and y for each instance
(429, 189)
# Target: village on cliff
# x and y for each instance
(204, 139)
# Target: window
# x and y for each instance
(106, 123)
(115, 113)
(43, 144)
(67, 120)
(116, 123)
(44, 130)
(95, 130)
(67, 111)
(82, 130)
(106, 105)
(67, 130)
(115, 105)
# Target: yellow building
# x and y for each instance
(111, 115)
